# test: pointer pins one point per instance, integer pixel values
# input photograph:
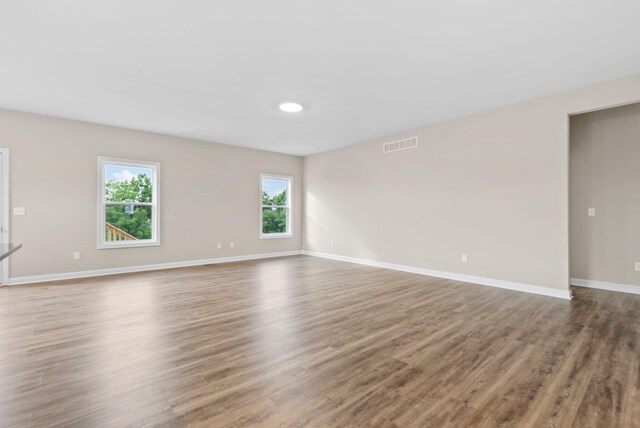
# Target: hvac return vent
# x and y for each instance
(396, 146)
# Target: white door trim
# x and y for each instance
(4, 215)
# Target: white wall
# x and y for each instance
(210, 194)
(492, 185)
(605, 175)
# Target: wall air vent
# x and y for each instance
(396, 146)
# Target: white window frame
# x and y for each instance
(155, 204)
(289, 232)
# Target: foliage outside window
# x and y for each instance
(275, 210)
(128, 203)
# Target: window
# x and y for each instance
(128, 201)
(275, 208)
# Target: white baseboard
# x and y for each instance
(604, 285)
(527, 288)
(143, 268)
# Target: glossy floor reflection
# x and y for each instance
(306, 341)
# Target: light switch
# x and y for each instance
(591, 212)
(19, 211)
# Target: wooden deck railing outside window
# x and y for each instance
(116, 234)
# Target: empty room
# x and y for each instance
(319, 214)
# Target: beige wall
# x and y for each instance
(210, 194)
(605, 175)
(493, 186)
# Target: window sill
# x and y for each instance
(276, 236)
(133, 245)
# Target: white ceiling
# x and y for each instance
(216, 70)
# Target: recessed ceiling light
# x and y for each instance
(290, 107)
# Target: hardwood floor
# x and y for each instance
(303, 341)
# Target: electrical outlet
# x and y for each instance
(332, 243)
(638, 266)
(464, 258)
(231, 244)
(219, 245)
(591, 212)
(76, 255)
(19, 211)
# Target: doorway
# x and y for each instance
(604, 199)
(4, 213)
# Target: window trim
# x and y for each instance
(103, 244)
(289, 232)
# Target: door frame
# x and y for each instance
(4, 213)
(568, 182)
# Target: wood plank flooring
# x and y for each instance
(303, 341)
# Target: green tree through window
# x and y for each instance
(274, 219)
(275, 205)
(132, 219)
